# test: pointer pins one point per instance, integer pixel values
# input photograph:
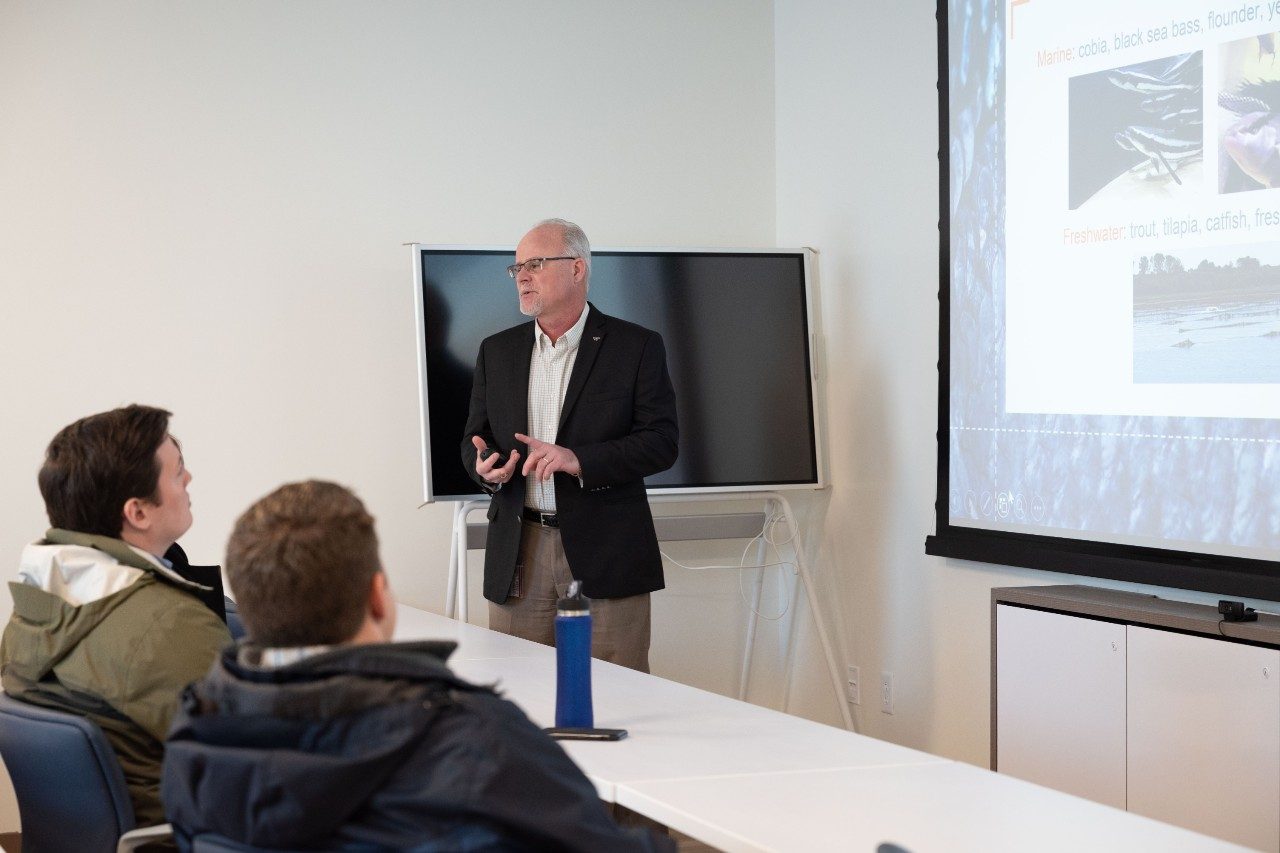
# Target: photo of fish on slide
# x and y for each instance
(1137, 132)
(1249, 115)
(1207, 315)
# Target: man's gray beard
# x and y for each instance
(534, 310)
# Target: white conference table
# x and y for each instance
(474, 642)
(744, 778)
(947, 806)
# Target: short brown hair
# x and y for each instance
(95, 465)
(301, 562)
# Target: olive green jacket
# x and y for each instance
(102, 630)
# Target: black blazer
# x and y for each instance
(619, 417)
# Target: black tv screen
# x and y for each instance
(736, 325)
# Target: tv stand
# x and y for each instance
(469, 535)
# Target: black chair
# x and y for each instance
(234, 624)
(71, 791)
(207, 842)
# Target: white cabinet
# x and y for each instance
(1204, 735)
(1140, 703)
(1060, 687)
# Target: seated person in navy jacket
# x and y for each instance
(320, 733)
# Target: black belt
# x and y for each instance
(546, 519)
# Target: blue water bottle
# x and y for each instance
(573, 660)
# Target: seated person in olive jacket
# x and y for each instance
(104, 622)
(319, 733)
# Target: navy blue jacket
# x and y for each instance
(374, 747)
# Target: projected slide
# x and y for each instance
(1115, 271)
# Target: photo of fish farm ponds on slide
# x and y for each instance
(1137, 132)
(1207, 316)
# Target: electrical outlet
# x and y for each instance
(886, 692)
(854, 684)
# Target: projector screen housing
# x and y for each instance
(737, 326)
(1108, 396)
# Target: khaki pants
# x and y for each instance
(619, 626)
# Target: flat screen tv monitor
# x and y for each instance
(1110, 336)
(738, 330)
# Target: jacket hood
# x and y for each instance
(299, 749)
(67, 584)
(81, 568)
(62, 593)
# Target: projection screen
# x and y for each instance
(1110, 285)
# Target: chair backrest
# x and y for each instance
(71, 791)
(209, 843)
(234, 625)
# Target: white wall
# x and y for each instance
(857, 178)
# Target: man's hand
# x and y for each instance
(485, 467)
(545, 459)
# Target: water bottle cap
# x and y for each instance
(574, 601)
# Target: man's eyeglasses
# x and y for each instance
(535, 264)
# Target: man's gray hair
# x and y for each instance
(575, 241)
